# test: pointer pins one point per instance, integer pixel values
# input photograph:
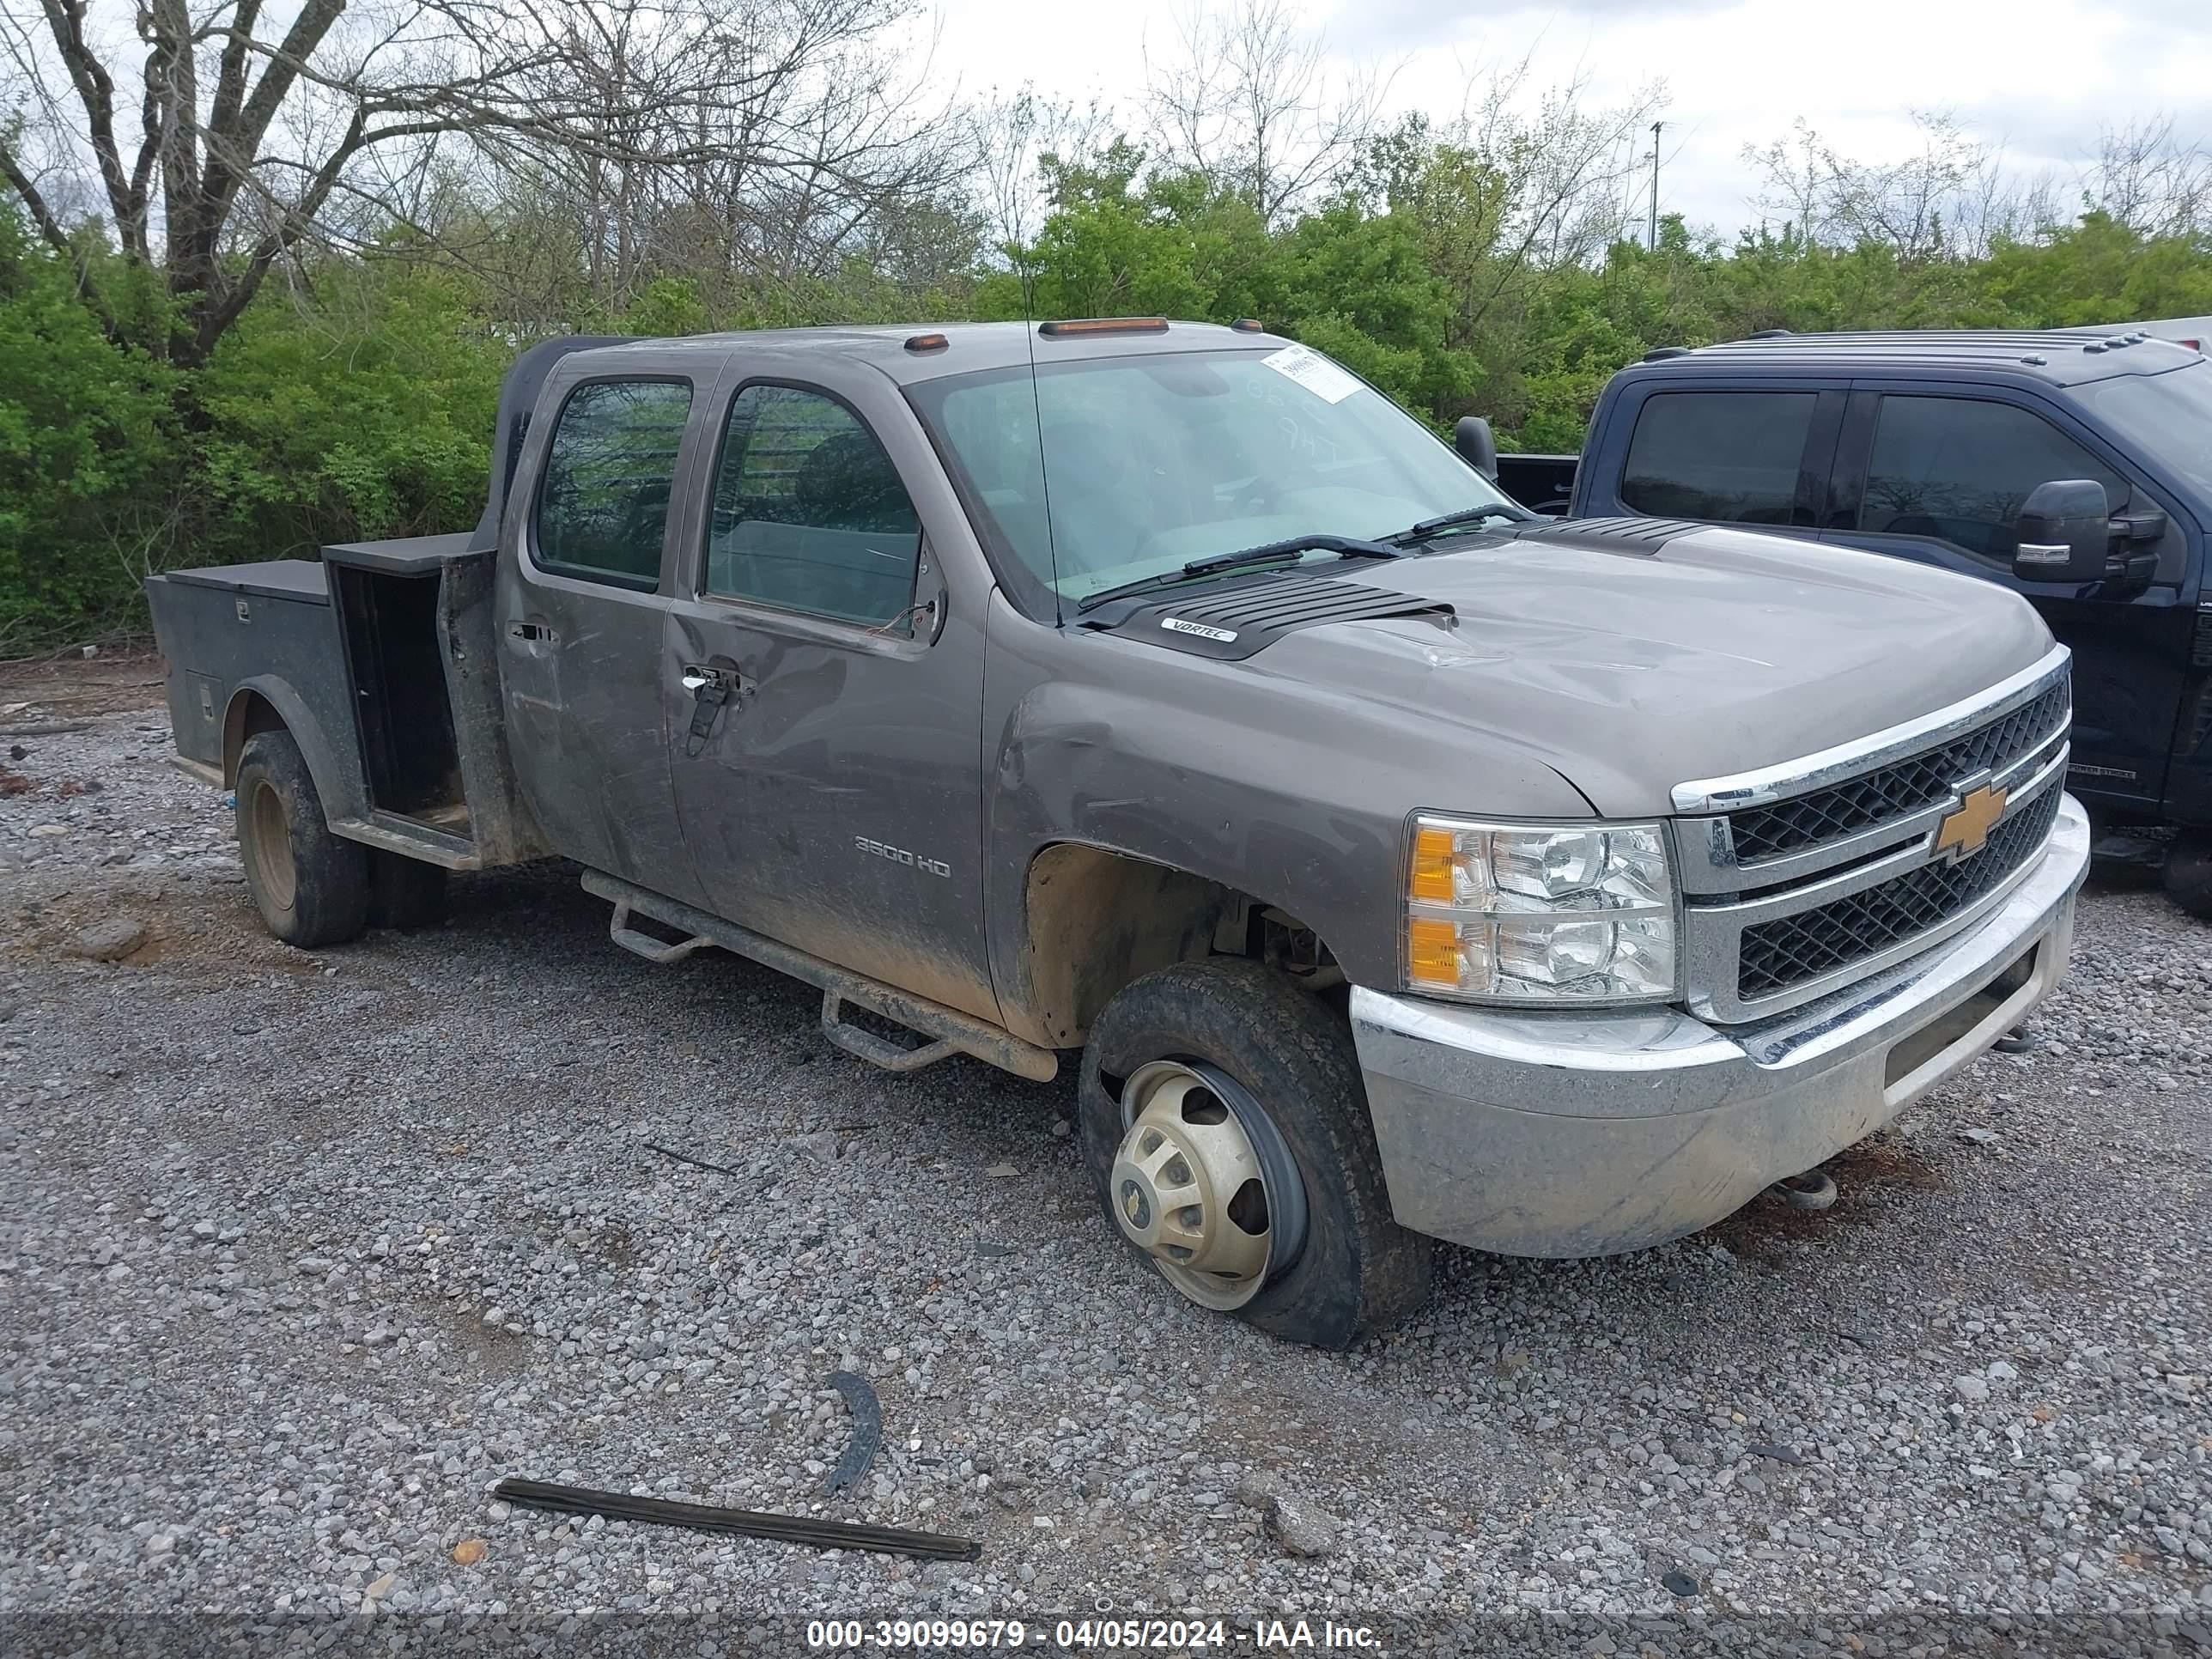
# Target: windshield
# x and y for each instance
(1151, 461)
(2167, 415)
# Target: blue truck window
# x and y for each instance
(1728, 456)
(809, 512)
(603, 507)
(1956, 470)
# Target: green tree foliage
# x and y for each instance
(88, 450)
(2097, 271)
(366, 411)
(1455, 273)
(1122, 242)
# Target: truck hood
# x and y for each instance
(1630, 671)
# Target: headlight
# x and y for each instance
(1538, 913)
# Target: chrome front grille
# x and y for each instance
(1889, 792)
(1799, 879)
(1774, 956)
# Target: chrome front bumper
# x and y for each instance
(1559, 1134)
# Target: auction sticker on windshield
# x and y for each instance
(1314, 372)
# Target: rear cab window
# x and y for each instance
(603, 496)
(1729, 457)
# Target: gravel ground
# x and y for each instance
(300, 1253)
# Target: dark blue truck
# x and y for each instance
(2075, 468)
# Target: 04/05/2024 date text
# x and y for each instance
(1090, 1635)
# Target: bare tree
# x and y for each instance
(1951, 197)
(2150, 180)
(758, 155)
(1515, 184)
(1247, 100)
(1905, 202)
(1793, 180)
(1017, 137)
(231, 138)
(1566, 165)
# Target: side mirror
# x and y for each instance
(2065, 531)
(1477, 444)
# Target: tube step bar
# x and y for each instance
(950, 1031)
(638, 943)
(879, 1050)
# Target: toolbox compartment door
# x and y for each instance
(266, 628)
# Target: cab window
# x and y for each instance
(1957, 470)
(603, 503)
(1731, 457)
(809, 513)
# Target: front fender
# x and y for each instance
(1291, 793)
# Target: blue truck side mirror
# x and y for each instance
(1477, 446)
(2065, 531)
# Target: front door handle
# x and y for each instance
(710, 687)
(530, 633)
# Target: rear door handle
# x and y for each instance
(530, 632)
(697, 677)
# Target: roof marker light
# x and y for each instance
(1078, 325)
(918, 342)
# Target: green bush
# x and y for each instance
(89, 453)
(358, 400)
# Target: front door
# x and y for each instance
(582, 619)
(825, 730)
(1940, 478)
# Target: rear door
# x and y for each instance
(583, 608)
(1937, 473)
(824, 689)
(1753, 454)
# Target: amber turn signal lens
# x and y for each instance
(1433, 850)
(1432, 952)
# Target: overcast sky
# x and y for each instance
(2039, 76)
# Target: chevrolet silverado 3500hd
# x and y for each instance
(1399, 865)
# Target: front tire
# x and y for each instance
(311, 887)
(1208, 1078)
(2188, 874)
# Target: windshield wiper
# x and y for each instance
(1282, 553)
(1469, 515)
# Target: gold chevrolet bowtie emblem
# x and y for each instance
(1961, 835)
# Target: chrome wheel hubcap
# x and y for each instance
(272, 848)
(1188, 1188)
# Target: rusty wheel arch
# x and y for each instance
(1097, 918)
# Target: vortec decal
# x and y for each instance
(1177, 625)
